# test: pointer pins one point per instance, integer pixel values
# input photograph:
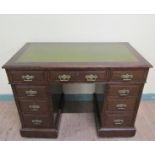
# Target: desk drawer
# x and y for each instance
(83, 76)
(34, 107)
(93, 76)
(31, 92)
(128, 75)
(63, 76)
(117, 104)
(118, 120)
(123, 90)
(36, 121)
(27, 76)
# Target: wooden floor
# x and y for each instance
(77, 126)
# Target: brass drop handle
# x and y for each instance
(31, 92)
(34, 107)
(27, 77)
(91, 77)
(36, 121)
(118, 121)
(127, 77)
(123, 92)
(64, 77)
(121, 106)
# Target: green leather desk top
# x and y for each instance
(77, 52)
(77, 55)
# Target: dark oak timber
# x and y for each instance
(36, 67)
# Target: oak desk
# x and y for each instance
(38, 67)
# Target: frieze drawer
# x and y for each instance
(89, 76)
(128, 75)
(28, 77)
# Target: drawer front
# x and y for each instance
(63, 76)
(117, 104)
(34, 107)
(28, 76)
(118, 121)
(128, 75)
(30, 92)
(89, 76)
(93, 76)
(123, 91)
(36, 122)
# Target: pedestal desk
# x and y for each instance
(36, 69)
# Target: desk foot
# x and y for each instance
(39, 133)
(112, 132)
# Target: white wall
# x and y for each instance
(16, 30)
